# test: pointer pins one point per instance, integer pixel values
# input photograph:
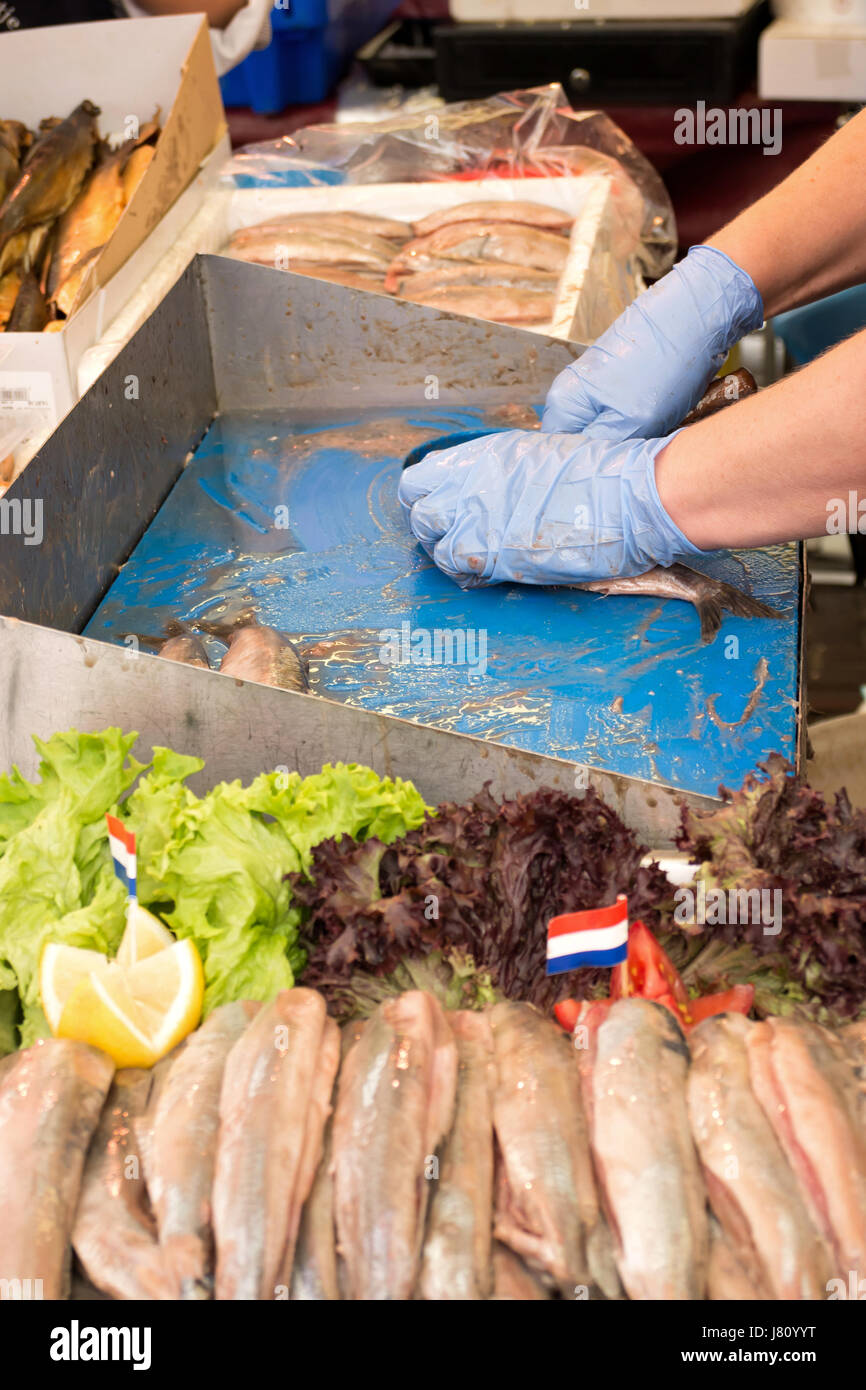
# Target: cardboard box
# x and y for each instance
(128, 68)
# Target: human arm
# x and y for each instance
(768, 468)
(804, 239)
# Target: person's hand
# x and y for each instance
(644, 374)
(541, 509)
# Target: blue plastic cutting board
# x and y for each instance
(618, 683)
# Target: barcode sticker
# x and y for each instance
(26, 391)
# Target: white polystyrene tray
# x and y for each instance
(589, 296)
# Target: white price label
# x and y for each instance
(26, 391)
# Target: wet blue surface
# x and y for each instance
(298, 523)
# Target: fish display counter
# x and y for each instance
(236, 467)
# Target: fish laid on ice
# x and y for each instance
(186, 648)
(502, 305)
(50, 1103)
(547, 1204)
(395, 1102)
(496, 210)
(455, 1263)
(182, 1154)
(264, 655)
(275, 1099)
(323, 248)
(711, 597)
(645, 1157)
(52, 174)
(497, 241)
(114, 1235)
(751, 1187)
(810, 1098)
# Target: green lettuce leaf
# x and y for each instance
(56, 877)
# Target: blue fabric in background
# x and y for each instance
(809, 331)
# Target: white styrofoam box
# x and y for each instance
(806, 62)
(41, 368)
(811, 12)
(545, 11)
(593, 288)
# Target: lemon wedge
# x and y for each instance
(139, 1014)
(143, 937)
(61, 970)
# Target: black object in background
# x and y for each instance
(34, 14)
(598, 62)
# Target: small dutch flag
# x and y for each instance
(596, 937)
(122, 844)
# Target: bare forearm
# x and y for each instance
(218, 12)
(768, 468)
(807, 237)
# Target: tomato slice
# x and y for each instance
(737, 1000)
(648, 971)
(566, 1012)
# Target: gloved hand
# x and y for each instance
(648, 369)
(541, 509)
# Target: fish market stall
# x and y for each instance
(267, 442)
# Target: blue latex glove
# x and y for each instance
(648, 369)
(541, 509)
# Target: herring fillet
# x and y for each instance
(456, 1257)
(645, 1157)
(727, 1279)
(50, 1103)
(182, 1153)
(395, 1102)
(809, 1095)
(751, 1187)
(317, 1275)
(264, 1150)
(548, 1207)
(114, 1235)
(512, 1279)
(318, 1110)
(497, 210)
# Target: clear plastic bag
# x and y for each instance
(524, 134)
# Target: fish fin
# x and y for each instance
(743, 605)
(710, 614)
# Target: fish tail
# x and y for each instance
(710, 614)
(743, 605)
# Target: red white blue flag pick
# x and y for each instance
(596, 937)
(121, 841)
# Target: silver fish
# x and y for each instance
(455, 1263)
(645, 1158)
(547, 1205)
(751, 1188)
(273, 1106)
(395, 1103)
(50, 1103)
(182, 1155)
(114, 1235)
(711, 597)
(809, 1096)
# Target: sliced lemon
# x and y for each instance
(138, 1015)
(61, 970)
(143, 937)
